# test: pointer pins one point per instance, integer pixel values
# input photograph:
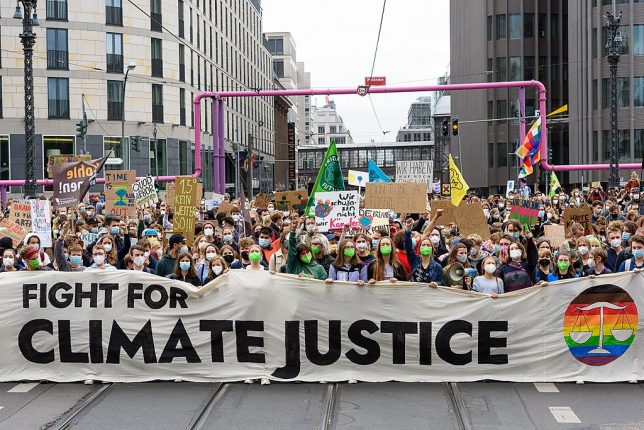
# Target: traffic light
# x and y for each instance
(550, 154)
(455, 127)
(445, 128)
(135, 143)
(81, 129)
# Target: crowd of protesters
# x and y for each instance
(416, 248)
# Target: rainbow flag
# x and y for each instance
(529, 151)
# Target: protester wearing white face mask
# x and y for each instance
(218, 267)
(489, 283)
(8, 261)
(100, 261)
(203, 264)
(516, 273)
(137, 254)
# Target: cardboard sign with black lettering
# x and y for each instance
(119, 197)
(291, 200)
(145, 193)
(20, 213)
(262, 200)
(185, 202)
(409, 198)
(582, 215)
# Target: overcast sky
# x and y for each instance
(336, 40)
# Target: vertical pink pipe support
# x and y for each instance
(222, 148)
(214, 116)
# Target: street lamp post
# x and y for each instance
(130, 66)
(613, 51)
(28, 39)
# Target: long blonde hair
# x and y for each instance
(379, 262)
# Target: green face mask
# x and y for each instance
(563, 265)
(306, 258)
(254, 256)
(315, 249)
(349, 252)
(35, 263)
(425, 251)
(385, 249)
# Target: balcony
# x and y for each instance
(113, 15)
(114, 63)
(157, 68)
(157, 113)
(56, 10)
(156, 21)
(114, 111)
(57, 59)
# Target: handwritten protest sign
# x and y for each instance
(185, 202)
(145, 195)
(119, 198)
(449, 211)
(20, 213)
(41, 221)
(471, 220)
(14, 231)
(334, 209)
(291, 200)
(169, 195)
(582, 215)
(226, 207)
(212, 204)
(369, 221)
(408, 198)
(526, 212)
(416, 171)
(262, 200)
(357, 178)
(89, 238)
(556, 233)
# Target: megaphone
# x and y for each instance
(456, 272)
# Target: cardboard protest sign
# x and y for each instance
(334, 209)
(471, 220)
(410, 198)
(72, 181)
(20, 213)
(119, 198)
(556, 233)
(416, 171)
(186, 199)
(226, 207)
(509, 188)
(449, 211)
(526, 212)
(357, 178)
(14, 231)
(262, 200)
(596, 184)
(291, 200)
(212, 204)
(582, 215)
(169, 195)
(369, 220)
(145, 194)
(89, 238)
(41, 221)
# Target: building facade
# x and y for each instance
(506, 40)
(419, 122)
(179, 48)
(590, 86)
(327, 125)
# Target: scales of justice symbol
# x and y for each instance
(580, 334)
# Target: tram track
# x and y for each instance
(64, 422)
(457, 404)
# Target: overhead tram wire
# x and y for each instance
(373, 66)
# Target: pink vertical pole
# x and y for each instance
(522, 115)
(222, 148)
(215, 144)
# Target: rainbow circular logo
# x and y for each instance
(600, 324)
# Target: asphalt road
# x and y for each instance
(169, 405)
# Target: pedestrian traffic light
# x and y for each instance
(445, 128)
(81, 129)
(135, 143)
(455, 127)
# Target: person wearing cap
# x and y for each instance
(176, 246)
(34, 240)
(29, 255)
(333, 244)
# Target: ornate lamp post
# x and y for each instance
(613, 51)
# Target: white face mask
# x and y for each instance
(217, 270)
(208, 232)
(583, 250)
(99, 259)
(435, 240)
(490, 268)
(361, 246)
(146, 254)
(184, 250)
(615, 243)
(139, 260)
(515, 254)
(210, 256)
(8, 262)
(486, 212)
(462, 258)
(107, 247)
(310, 228)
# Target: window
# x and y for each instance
(58, 97)
(490, 112)
(157, 103)
(638, 92)
(624, 142)
(554, 69)
(490, 70)
(333, 129)
(5, 166)
(501, 109)
(114, 100)
(158, 158)
(53, 145)
(184, 162)
(113, 12)
(340, 140)
(596, 146)
(114, 43)
(156, 19)
(542, 25)
(190, 9)
(278, 68)
(113, 147)
(489, 27)
(490, 154)
(501, 30)
(639, 143)
(502, 154)
(501, 69)
(638, 39)
(594, 43)
(515, 26)
(182, 63)
(181, 23)
(321, 129)
(528, 25)
(554, 26)
(275, 46)
(595, 94)
(624, 31)
(528, 68)
(57, 49)
(321, 141)
(57, 10)
(515, 68)
(157, 57)
(182, 106)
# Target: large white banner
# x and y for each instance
(126, 327)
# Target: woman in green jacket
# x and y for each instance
(300, 259)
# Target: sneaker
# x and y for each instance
(352, 381)
(89, 382)
(248, 381)
(265, 381)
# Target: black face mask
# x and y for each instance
(544, 262)
(229, 258)
(244, 255)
